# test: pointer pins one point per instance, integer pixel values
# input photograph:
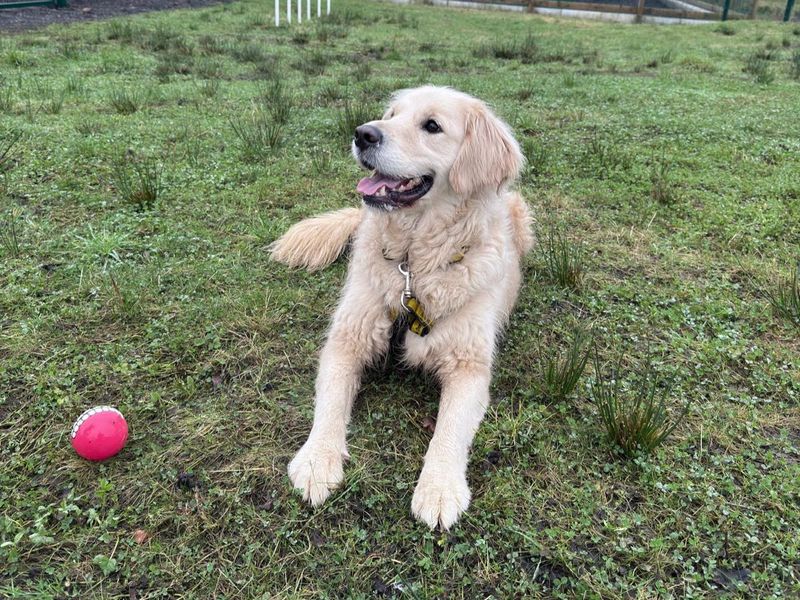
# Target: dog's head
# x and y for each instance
(434, 141)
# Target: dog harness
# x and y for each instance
(413, 314)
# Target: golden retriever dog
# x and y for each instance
(437, 244)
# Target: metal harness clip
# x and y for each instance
(406, 293)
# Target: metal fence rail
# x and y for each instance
(28, 3)
(706, 10)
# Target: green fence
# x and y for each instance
(27, 3)
(708, 10)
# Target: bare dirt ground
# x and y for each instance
(86, 10)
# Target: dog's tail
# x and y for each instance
(521, 223)
(316, 242)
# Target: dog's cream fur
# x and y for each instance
(469, 209)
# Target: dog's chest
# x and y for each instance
(413, 291)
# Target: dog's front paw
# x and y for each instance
(316, 470)
(440, 497)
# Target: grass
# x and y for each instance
(259, 134)
(663, 188)
(635, 414)
(138, 181)
(351, 115)
(525, 50)
(10, 232)
(171, 311)
(562, 260)
(11, 140)
(785, 298)
(125, 102)
(561, 372)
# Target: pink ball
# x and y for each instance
(99, 433)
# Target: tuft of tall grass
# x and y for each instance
(330, 93)
(209, 87)
(526, 50)
(325, 32)
(785, 297)
(313, 62)
(301, 38)
(662, 186)
(6, 98)
(536, 157)
(758, 66)
(124, 31)
(162, 38)
(321, 162)
(74, 85)
(278, 100)
(125, 102)
(208, 69)
(352, 114)
(603, 156)
(725, 29)
(10, 229)
(561, 259)
(248, 52)
(211, 45)
(55, 102)
(635, 413)
(8, 145)
(258, 134)
(794, 66)
(170, 63)
(559, 372)
(138, 181)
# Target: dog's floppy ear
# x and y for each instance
(489, 155)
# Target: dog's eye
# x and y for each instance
(431, 126)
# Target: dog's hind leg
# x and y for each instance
(359, 333)
(521, 223)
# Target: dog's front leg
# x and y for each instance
(442, 493)
(359, 332)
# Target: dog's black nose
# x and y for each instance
(367, 135)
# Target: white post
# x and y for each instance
(289, 11)
(329, 8)
(319, 8)
(277, 15)
(299, 11)
(308, 10)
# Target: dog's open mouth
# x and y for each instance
(384, 191)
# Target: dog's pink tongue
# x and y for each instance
(370, 185)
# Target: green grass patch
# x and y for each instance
(143, 281)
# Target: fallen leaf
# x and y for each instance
(141, 536)
(216, 380)
(429, 424)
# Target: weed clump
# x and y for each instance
(137, 181)
(8, 145)
(794, 67)
(785, 297)
(10, 230)
(635, 414)
(125, 102)
(559, 372)
(757, 65)
(258, 134)
(662, 186)
(526, 50)
(561, 259)
(351, 116)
